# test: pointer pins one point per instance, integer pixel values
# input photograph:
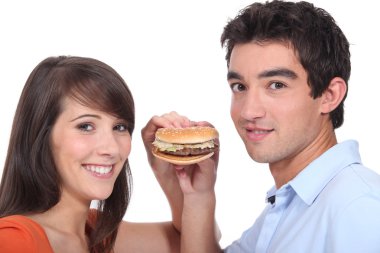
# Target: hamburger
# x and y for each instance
(184, 146)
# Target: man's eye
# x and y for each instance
(237, 87)
(85, 127)
(276, 85)
(120, 127)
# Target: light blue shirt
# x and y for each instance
(332, 206)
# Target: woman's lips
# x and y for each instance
(101, 171)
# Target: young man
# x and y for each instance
(288, 69)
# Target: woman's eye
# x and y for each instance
(276, 85)
(237, 87)
(86, 127)
(120, 127)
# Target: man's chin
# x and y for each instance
(258, 157)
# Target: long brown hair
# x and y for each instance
(30, 181)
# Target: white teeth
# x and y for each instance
(260, 132)
(98, 169)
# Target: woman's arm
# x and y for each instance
(165, 236)
(160, 237)
(165, 172)
(200, 232)
(195, 209)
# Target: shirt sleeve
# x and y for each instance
(15, 239)
(356, 229)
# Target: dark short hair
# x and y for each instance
(319, 43)
(30, 181)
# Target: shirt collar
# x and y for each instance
(311, 180)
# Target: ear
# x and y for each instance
(333, 95)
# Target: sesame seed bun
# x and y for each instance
(187, 135)
(181, 160)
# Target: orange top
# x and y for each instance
(19, 234)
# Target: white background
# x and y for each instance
(169, 54)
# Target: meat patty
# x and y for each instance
(190, 151)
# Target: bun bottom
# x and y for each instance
(180, 160)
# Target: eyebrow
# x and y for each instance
(278, 72)
(265, 74)
(86, 115)
(233, 75)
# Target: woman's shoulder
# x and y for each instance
(20, 234)
(20, 223)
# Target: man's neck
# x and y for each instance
(285, 170)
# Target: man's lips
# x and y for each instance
(257, 134)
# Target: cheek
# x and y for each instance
(78, 146)
(69, 150)
(234, 110)
(125, 147)
(299, 115)
(65, 155)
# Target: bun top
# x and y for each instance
(188, 135)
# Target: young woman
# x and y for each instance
(69, 145)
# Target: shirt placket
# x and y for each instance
(272, 219)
